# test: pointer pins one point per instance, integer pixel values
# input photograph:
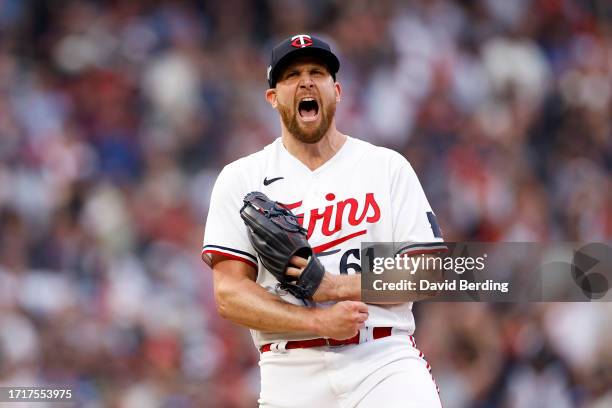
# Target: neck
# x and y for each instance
(314, 155)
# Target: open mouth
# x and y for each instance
(308, 109)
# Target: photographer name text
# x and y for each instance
(488, 285)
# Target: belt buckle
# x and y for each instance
(333, 345)
(343, 342)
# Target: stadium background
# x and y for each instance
(116, 117)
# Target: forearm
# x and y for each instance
(348, 287)
(341, 287)
(250, 305)
(338, 288)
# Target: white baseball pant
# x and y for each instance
(389, 372)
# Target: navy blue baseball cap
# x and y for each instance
(298, 45)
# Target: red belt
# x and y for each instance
(378, 332)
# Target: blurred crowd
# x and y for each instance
(116, 117)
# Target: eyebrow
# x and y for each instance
(316, 67)
(288, 72)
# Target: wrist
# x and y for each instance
(315, 321)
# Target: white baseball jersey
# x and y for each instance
(363, 193)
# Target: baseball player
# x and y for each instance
(335, 351)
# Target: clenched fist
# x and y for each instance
(342, 320)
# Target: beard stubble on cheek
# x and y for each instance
(302, 134)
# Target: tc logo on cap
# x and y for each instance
(301, 41)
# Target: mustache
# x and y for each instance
(290, 121)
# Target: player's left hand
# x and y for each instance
(327, 286)
(296, 266)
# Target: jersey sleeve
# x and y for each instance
(414, 223)
(225, 233)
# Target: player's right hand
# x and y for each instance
(342, 320)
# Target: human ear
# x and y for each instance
(271, 97)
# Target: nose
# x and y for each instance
(306, 81)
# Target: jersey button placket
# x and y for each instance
(313, 189)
